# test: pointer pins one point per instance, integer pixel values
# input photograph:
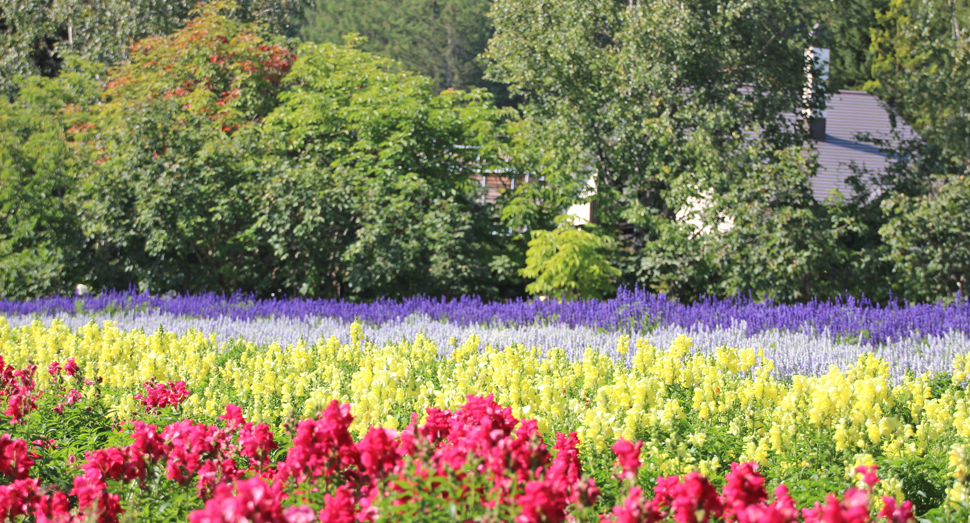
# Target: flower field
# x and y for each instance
(186, 419)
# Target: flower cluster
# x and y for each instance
(21, 495)
(189, 453)
(841, 318)
(477, 462)
(671, 399)
(477, 448)
(158, 396)
(17, 390)
(743, 499)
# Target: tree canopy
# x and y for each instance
(845, 27)
(217, 153)
(216, 157)
(664, 103)
(41, 245)
(38, 35)
(440, 39)
(920, 69)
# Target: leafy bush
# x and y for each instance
(569, 261)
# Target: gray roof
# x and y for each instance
(848, 115)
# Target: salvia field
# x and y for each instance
(206, 408)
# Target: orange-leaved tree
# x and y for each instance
(168, 194)
(214, 66)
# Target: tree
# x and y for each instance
(220, 161)
(41, 245)
(665, 103)
(438, 38)
(844, 27)
(920, 70)
(928, 239)
(172, 180)
(378, 199)
(37, 35)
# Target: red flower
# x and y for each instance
(378, 451)
(852, 509)
(869, 476)
(254, 502)
(321, 446)
(636, 509)
(256, 442)
(628, 456)
(745, 487)
(300, 514)
(162, 395)
(17, 498)
(663, 491)
(53, 508)
(695, 496)
(567, 456)
(233, 417)
(894, 514)
(15, 460)
(542, 501)
(73, 397)
(93, 497)
(338, 508)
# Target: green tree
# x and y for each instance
(928, 239)
(438, 38)
(667, 105)
(920, 69)
(221, 161)
(845, 27)
(172, 180)
(378, 200)
(41, 245)
(920, 52)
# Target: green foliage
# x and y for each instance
(452, 496)
(782, 246)
(68, 434)
(438, 39)
(928, 238)
(64, 431)
(845, 29)
(202, 163)
(378, 199)
(919, 57)
(169, 187)
(677, 110)
(569, 261)
(920, 51)
(40, 238)
(38, 35)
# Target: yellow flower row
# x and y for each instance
(676, 401)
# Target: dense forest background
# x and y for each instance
(285, 147)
